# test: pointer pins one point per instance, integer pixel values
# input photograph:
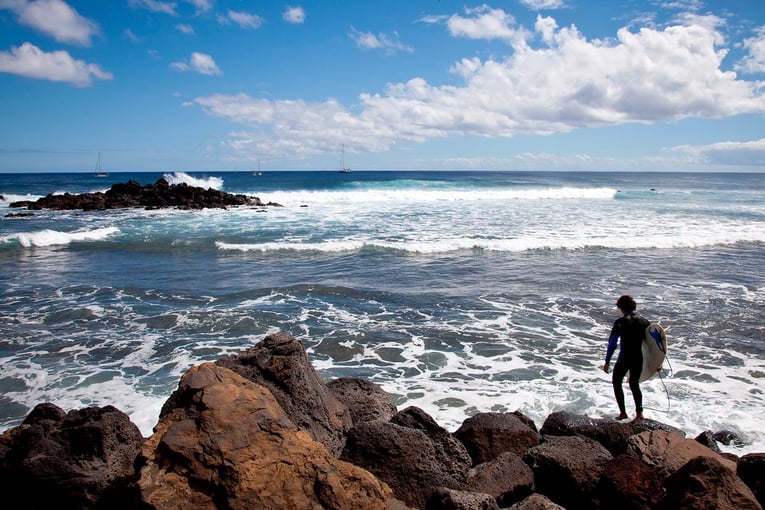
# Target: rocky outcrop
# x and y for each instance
(262, 430)
(567, 469)
(411, 459)
(706, 482)
(281, 364)
(81, 459)
(365, 400)
(507, 478)
(667, 452)
(487, 435)
(751, 469)
(225, 442)
(152, 196)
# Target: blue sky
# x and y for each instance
(214, 85)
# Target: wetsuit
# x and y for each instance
(629, 330)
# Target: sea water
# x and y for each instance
(457, 292)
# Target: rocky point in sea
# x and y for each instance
(151, 196)
(262, 430)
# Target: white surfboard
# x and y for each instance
(654, 350)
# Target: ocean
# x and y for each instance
(457, 292)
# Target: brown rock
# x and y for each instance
(507, 478)
(751, 469)
(79, 460)
(536, 502)
(450, 450)
(567, 469)
(667, 452)
(629, 484)
(280, 363)
(405, 458)
(225, 442)
(448, 499)
(487, 435)
(364, 399)
(706, 483)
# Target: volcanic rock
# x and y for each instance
(225, 442)
(705, 482)
(487, 435)
(364, 399)
(448, 499)
(77, 460)
(280, 363)
(507, 478)
(628, 483)
(751, 469)
(567, 469)
(152, 196)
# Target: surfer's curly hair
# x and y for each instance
(626, 303)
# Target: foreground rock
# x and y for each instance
(262, 430)
(152, 196)
(81, 459)
(281, 364)
(225, 442)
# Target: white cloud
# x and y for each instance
(202, 6)
(154, 6)
(565, 83)
(726, 153)
(485, 23)
(31, 62)
(200, 63)
(754, 62)
(185, 28)
(390, 44)
(544, 4)
(243, 19)
(54, 18)
(294, 15)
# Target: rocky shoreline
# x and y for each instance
(151, 196)
(263, 430)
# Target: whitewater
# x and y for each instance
(457, 292)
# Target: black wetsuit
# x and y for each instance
(629, 330)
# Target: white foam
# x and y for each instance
(49, 237)
(182, 177)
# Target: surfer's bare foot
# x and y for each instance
(639, 416)
(622, 416)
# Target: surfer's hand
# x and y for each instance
(605, 367)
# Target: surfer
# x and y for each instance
(629, 331)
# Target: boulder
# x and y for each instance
(536, 502)
(453, 454)
(405, 458)
(567, 469)
(280, 363)
(667, 452)
(365, 400)
(448, 499)
(610, 433)
(751, 469)
(223, 441)
(628, 483)
(705, 482)
(77, 460)
(487, 435)
(707, 439)
(507, 478)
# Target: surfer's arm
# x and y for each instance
(613, 340)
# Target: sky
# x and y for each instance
(216, 85)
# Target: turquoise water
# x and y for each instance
(458, 292)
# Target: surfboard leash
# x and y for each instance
(666, 390)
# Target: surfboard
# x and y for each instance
(654, 350)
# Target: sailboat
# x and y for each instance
(343, 169)
(258, 173)
(99, 171)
